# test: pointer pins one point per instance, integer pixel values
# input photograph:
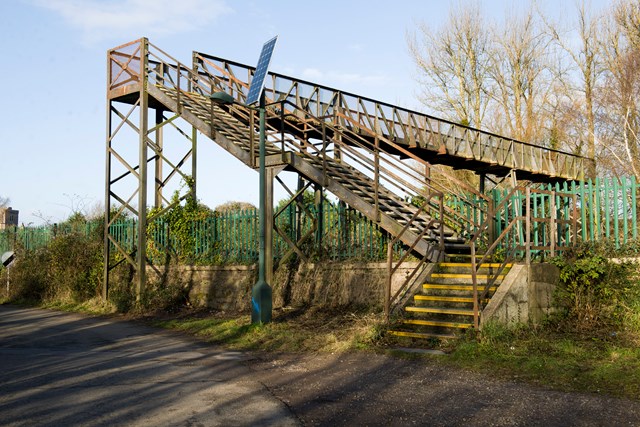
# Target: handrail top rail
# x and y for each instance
(386, 104)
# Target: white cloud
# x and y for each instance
(100, 20)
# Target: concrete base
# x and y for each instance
(525, 295)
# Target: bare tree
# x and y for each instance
(587, 61)
(520, 70)
(620, 94)
(4, 202)
(453, 63)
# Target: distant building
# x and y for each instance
(8, 218)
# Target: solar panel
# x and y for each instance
(257, 83)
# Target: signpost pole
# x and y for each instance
(262, 295)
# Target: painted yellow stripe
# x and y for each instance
(420, 335)
(442, 287)
(441, 298)
(457, 311)
(464, 276)
(444, 298)
(468, 264)
(436, 323)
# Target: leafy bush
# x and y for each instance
(595, 291)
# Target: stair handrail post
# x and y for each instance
(282, 102)
(527, 237)
(376, 172)
(387, 290)
(325, 177)
(441, 227)
(474, 281)
(491, 216)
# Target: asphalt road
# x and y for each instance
(61, 369)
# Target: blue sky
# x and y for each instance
(52, 135)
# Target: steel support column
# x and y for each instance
(158, 184)
(126, 190)
(269, 219)
(261, 294)
(141, 248)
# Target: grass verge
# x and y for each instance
(565, 361)
(537, 355)
(290, 330)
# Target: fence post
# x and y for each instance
(527, 237)
(634, 206)
(552, 223)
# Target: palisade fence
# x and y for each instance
(338, 233)
(605, 210)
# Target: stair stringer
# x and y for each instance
(211, 131)
(409, 237)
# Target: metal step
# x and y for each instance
(421, 335)
(439, 310)
(438, 323)
(446, 287)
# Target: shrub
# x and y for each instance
(595, 291)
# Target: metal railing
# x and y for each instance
(408, 128)
(522, 233)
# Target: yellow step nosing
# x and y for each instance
(419, 334)
(442, 298)
(454, 287)
(420, 322)
(438, 310)
(464, 276)
(468, 264)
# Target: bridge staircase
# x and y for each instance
(370, 155)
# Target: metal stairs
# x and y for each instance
(444, 305)
(232, 129)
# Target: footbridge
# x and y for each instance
(371, 155)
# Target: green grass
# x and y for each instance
(304, 331)
(563, 361)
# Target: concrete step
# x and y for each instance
(443, 298)
(462, 278)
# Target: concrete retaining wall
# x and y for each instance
(525, 295)
(337, 284)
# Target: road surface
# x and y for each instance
(60, 369)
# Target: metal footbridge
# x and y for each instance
(371, 155)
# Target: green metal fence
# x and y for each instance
(333, 232)
(559, 215)
(32, 238)
(605, 209)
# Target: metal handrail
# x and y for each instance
(399, 124)
(231, 83)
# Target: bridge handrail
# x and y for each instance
(413, 128)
